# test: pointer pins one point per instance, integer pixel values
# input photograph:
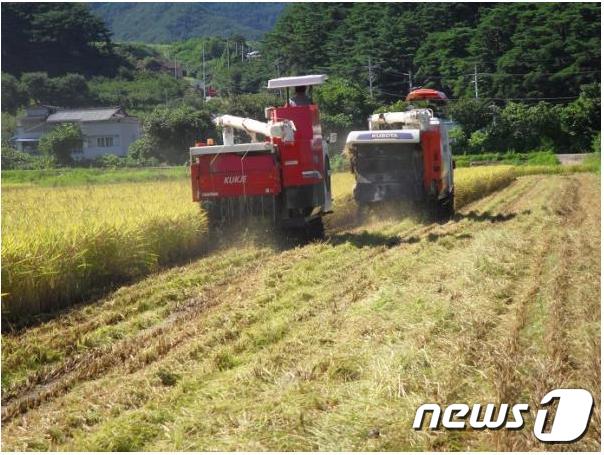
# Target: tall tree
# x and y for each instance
(54, 37)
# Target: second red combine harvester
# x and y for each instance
(283, 176)
(404, 156)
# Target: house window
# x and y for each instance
(104, 141)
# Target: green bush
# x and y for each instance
(145, 91)
(173, 131)
(595, 144)
(536, 157)
(13, 159)
(61, 142)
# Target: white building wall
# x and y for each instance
(96, 134)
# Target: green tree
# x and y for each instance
(174, 130)
(519, 49)
(55, 37)
(70, 90)
(9, 126)
(143, 149)
(13, 94)
(61, 142)
(344, 104)
(145, 91)
(38, 86)
(580, 120)
(472, 114)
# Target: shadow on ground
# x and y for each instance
(375, 239)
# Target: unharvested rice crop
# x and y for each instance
(60, 244)
(470, 183)
(473, 183)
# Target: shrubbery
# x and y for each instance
(61, 142)
(13, 159)
(486, 127)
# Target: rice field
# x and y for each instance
(332, 345)
(61, 245)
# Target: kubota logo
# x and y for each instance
(384, 135)
(235, 179)
(568, 424)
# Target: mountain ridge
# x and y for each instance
(168, 22)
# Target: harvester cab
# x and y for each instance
(404, 156)
(284, 176)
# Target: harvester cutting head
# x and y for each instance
(282, 173)
(403, 156)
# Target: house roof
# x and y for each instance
(86, 115)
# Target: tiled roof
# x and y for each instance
(85, 115)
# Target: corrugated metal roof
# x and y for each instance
(83, 115)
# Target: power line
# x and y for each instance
(536, 98)
(203, 66)
(535, 72)
(439, 76)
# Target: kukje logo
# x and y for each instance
(569, 422)
(235, 179)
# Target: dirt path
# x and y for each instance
(330, 346)
(568, 159)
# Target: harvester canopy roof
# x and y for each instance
(425, 94)
(295, 81)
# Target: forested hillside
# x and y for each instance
(522, 76)
(55, 38)
(166, 22)
(519, 50)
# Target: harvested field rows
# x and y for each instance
(330, 346)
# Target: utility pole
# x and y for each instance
(475, 81)
(371, 76)
(410, 80)
(203, 68)
(277, 62)
(228, 57)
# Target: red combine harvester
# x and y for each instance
(285, 176)
(404, 156)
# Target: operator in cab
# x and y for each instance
(300, 97)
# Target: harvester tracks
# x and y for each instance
(513, 357)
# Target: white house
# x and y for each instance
(106, 130)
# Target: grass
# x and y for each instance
(329, 346)
(90, 176)
(546, 158)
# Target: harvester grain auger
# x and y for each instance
(404, 156)
(284, 176)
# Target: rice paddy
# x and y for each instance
(61, 245)
(332, 345)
